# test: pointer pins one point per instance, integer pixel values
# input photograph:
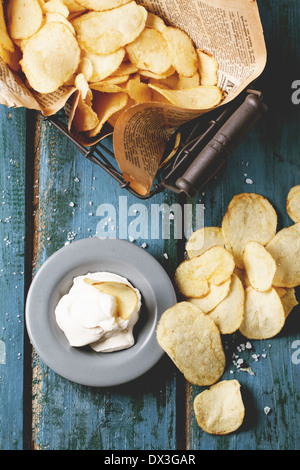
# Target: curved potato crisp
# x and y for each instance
(193, 276)
(193, 342)
(104, 64)
(149, 52)
(106, 31)
(249, 217)
(260, 266)
(285, 249)
(24, 18)
(50, 57)
(229, 313)
(201, 97)
(213, 298)
(264, 315)
(105, 105)
(181, 50)
(289, 301)
(101, 5)
(202, 239)
(220, 409)
(208, 68)
(293, 204)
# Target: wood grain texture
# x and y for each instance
(12, 278)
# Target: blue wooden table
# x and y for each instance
(51, 196)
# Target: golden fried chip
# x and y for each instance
(202, 239)
(155, 22)
(293, 203)
(126, 68)
(201, 97)
(289, 301)
(193, 342)
(215, 265)
(12, 59)
(5, 40)
(229, 313)
(181, 50)
(101, 5)
(208, 68)
(50, 57)
(149, 52)
(215, 295)
(220, 409)
(138, 91)
(24, 18)
(249, 217)
(105, 105)
(107, 31)
(73, 6)
(188, 82)
(260, 266)
(56, 6)
(285, 249)
(155, 76)
(264, 315)
(85, 67)
(85, 117)
(58, 17)
(242, 275)
(104, 65)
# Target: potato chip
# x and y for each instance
(168, 82)
(188, 82)
(285, 249)
(229, 313)
(201, 97)
(293, 204)
(126, 68)
(155, 76)
(5, 40)
(105, 105)
(215, 265)
(106, 87)
(73, 6)
(58, 18)
(242, 275)
(220, 410)
(115, 116)
(215, 295)
(50, 57)
(12, 59)
(260, 266)
(202, 239)
(193, 342)
(155, 22)
(208, 68)
(24, 18)
(181, 50)
(85, 67)
(249, 217)
(107, 31)
(104, 64)
(149, 52)
(85, 117)
(138, 91)
(55, 6)
(101, 5)
(264, 315)
(289, 301)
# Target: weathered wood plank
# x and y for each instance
(12, 279)
(139, 415)
(269, 160)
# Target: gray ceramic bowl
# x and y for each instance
(54, 279)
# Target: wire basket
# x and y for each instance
(205, 143)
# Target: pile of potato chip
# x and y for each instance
(114, 52)
(240, 276)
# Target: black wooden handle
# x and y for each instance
(215, 153)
